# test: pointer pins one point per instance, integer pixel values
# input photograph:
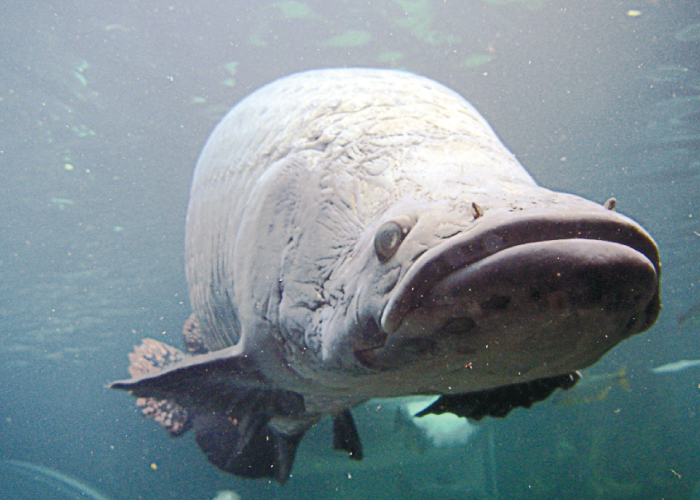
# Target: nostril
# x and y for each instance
(371, 336)
(459, 325)
(496, 302)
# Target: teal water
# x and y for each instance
(104, 108)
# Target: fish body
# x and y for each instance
(357, 233)
(677, 366)
(593, 388)
(688, 316)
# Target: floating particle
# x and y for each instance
(350, 38)
(292, 9)
(231, 67)
(477, 60)
(690, 33)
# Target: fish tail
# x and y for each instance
(680, 318)
(152, 356)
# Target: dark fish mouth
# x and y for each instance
(593, 259)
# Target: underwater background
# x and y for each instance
(104, 108)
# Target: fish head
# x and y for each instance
(523, 290)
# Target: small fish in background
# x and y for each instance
(676, 366)
(413, 437)
(689, 316)
(227, 495)
(597, 387)
(421, 433)
(446, 429)
(593, 388)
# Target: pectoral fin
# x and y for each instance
(500, 401)
(234, 409)
(219, 381)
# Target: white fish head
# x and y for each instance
(522, 294)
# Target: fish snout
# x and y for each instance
(532, 288)
(550, 281)
(506, 232)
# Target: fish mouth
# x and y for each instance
(510, 242)
(536, 267)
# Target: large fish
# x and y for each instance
(359, 233)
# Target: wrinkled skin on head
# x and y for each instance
(352, 141)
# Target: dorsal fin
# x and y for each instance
(500, 401)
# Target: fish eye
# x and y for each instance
(387, 240)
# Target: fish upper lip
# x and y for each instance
(507, 230)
